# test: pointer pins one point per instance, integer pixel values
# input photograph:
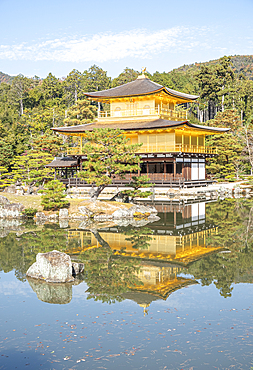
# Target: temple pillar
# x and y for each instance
(175, 168)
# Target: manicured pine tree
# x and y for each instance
(108, 156)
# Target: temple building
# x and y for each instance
(173, 150)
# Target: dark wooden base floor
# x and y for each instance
(179, 182)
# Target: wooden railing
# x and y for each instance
(183, 148)
(168, 113)
(159, 148)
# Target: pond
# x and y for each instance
(176, 293)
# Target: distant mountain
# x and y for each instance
(241, 64)
(5, 78)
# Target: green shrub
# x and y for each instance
(53, 197)
(29, 212)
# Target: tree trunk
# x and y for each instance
(249, 147)
(99, 238)
(94, 194)
(21, 107)
(222, 101)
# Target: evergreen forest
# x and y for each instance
(30, 107)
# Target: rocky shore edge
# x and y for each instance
(95, 211)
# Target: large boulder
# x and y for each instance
(10, 210)
(53, 267)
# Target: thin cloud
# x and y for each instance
(108, 46)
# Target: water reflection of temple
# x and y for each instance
(165, 249)
(181, 235)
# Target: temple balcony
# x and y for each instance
(159, 148)
(147, 113)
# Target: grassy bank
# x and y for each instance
(33, 201)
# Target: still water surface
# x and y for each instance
(173, 294)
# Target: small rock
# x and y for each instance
(63, 223)
(85, 211)
(4, 200)
(63, 213)
(40, 215)
(77, 268)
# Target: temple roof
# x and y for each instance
(59, 162)
(136, 125)
(141, 86)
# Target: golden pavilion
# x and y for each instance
(173, 150)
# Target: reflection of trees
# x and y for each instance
(139, 237)
(19, 253)
(215, 268)
(108, 276)
(234, 219)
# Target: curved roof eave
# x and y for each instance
(139, 87)
(137, 126)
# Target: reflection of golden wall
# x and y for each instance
(160, 281)
(184, 248)
(152, 275)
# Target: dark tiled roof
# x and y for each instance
(135, 125)
(63, 162)
(141, 86)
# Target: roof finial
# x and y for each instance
(143, 70)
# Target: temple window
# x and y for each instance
(117, 112)
(146, 109)
(194, 140)
(179, 167)
(201, 141)
(156, 168)
(170, 167)
(186, 139)
(143, 168)
(178, 139)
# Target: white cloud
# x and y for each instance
(103, 47)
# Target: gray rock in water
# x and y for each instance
(63, 213)
(51, 293)
(40, 215)
(85, 211)
(10, 189)
(4, 200)
(140, 209)
(53, 267)
(77, 268)
(63, 223)
(121, 213)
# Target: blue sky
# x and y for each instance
(38, 37)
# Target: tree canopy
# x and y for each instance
(108, 155)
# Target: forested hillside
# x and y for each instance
(5, 78)
(30, 107)
(241, 64)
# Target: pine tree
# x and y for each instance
(108, 156)
(53, 199)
